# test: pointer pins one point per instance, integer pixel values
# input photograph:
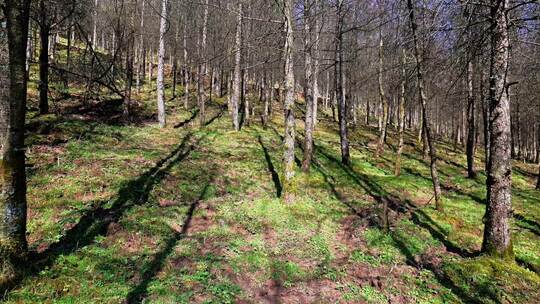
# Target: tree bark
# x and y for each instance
(471, 123)
(161, 58)
(315, 52)
(384, 102)
(203, 69)
(497, 238)
(13, 80)
(95, 17)
(236, 87)
(44, 33)
(423, 102)
(401, 115)
(186, 68)
(308, 89)
(289, 138)
(338, 79)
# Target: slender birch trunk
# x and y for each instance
(236, 87)
(161, 58)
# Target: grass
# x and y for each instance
(134, 213)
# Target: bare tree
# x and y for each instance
(338, 80)
(423, 102)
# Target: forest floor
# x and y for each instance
(131, 213)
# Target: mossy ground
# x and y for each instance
(134, 213)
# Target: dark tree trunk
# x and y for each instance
(13, 78)
(129, 79)
(44, 33)
(497, 238)
(338, 79)
(68, 59)
(471, 123)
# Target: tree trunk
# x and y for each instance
(68, 59)
(308, 90)
(338, 79)
(243, 97)
(13, 42)
(161, 64)
(186, 69)
(289, 138)
(471, 123)
(129, 79)
(315, 52)
(43, 59)
(401, 115)
(142, 52)
(425, 118)
(236, 87)
(203, 69)
(94, 35)
(538, 152)
(384, 101)
(497, 238)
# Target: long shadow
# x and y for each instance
(222, 109)
(524, 173)
(398, 204)
(521, 221)
(524, 222)
(296, 159)
(440, 275)
(140, 292)
(95, 222)
(271, 168)
(187, 121)
(418, 217)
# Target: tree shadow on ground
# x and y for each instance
(187, 121)
(271, 168)
(419, 217)
(95, 222)
(140, 292)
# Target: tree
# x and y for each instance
(338, 80)
(497, 239)
(13, 42)
(423, 102)
(384, 101)
(471, 98)
(289, 138)
(308, 89)
(236, 86)
(161, 63)
(49, 15)
(401, 114)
